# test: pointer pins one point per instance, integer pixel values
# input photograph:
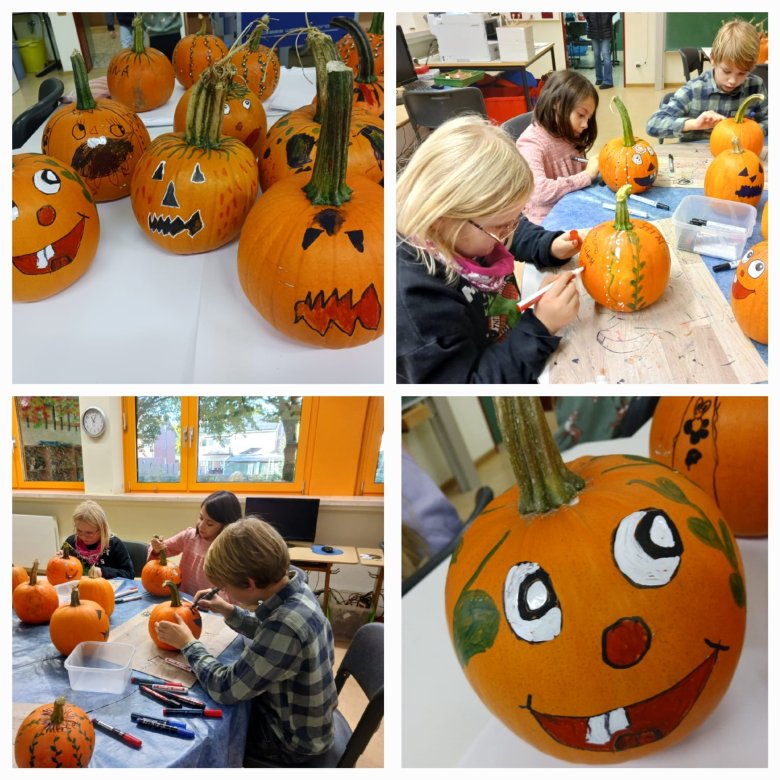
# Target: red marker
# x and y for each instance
(575, 236)
(193, 713)
(526, 303)
(123, 736)
(187, 701)
(158, 697)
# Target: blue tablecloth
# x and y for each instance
(39, 676)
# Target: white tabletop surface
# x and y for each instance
(444, 723)
(140, 314)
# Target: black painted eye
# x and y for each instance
(647, 548)
(78, 131)
(117, 130)
(47, 181)
(530, 603)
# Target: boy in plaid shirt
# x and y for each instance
(716, 94)
(286, 668)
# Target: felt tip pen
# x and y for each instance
(655, 203)
(730, 266)
(579, 159)
(153, 681)
(207, 595)
(671, 164)
(158, 697)
(178, 664)
(205, 713)
(134, 716)
(165, 728)
(125, 599)
(188, 701)
(122, 736)
(712, 224)
(169, 688)
(632, 212)
(532, 299)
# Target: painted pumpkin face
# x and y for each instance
(55, 227)
(750, 293)
(605, 629)
(636, 165)
(736, 175)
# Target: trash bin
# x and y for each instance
(18, 64)
(33, 53)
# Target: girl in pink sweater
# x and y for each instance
(564, 127)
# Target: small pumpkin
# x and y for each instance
(55, 736)
(35, 600)
(627, 160)
(80, 621)
(55, 229)
(157, 571)
(736, 174)
(101, 139)
(20, 575)
(96, 588)
(348, 50)
(749, 132)
(65, 568)
(750, 293)
(196, 52)
(722, 444)
(626, 263)
(140, 77)
(598, 607)
(763, 49)
(765, 221)
(368, 88)
(257, 65)
(169, 610)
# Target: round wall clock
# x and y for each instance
(93, 422)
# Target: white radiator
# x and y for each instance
(34, 537)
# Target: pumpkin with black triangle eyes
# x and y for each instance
(55, 228)
(598, 607)
(736, 174)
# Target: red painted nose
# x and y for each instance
(625, 642)
(46, 215)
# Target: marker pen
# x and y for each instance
(209, 594)
(188, 701)
(729, 266)
(153, 681)
(178, 664)
(193, 713)
(124, 599)
(655, 203)
(158, 697)
(632, 212)
(526, 303)
(671, 164)
(134, 716)
(164, 728)
(166, 688)
(712, 224)
(122, 736)
(579, 159)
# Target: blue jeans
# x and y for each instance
(602, 53)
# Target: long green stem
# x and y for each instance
(625, 120)
(324, 51)
(138, 34)
(377, 24)
(84, 98)
(622, 221)
(366, 69)
(207, 104)
(174, 590)
(739, 117)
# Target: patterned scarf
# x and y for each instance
(89, 557)
(489, 277)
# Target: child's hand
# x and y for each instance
(560, 304)
(704, 121)
(214, 604)
(592, 168)
(566, 245)
(157, 544)
(175, 634)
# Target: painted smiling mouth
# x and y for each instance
(172, 227)
(739, 291)
(53, 256)
(636, 724)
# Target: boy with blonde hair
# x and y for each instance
(716, 94)
(286, 669)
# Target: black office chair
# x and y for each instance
(138, 552)
(365, 661)
(49, 94)
(576, 40)
(692, 59)
(762, 71)
(432, 108)
(515, 126)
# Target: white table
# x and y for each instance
(444, 723)
(143, 315)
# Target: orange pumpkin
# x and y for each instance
(626, 263)
(749, 132)
(20, 575)
(750, 293)
(736, 175)
(348, 50)
(98, 589)
(763, 49)
(157, 571)
(65, 568)
(328, 290)
(169, 610)
(140, 77)
(101, 139)
(55, 736)
(368, 88)
(257, 65)
(196, 52)
(765, 220)
(80, 621)
(55, 228)
(35, 600)
(597, 608)
(627, 160)
(722, 444)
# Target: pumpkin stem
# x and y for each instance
(67, 549)
(75, 601)
(736, 145)
(544, 480)
(377, 24)
(739, 117)
(366, 70)
(34, 573)
(625, 120)
(174, 589)
(257, 33)
(138, 34)
(58, 711)
(202, 30)
(324, 51)
(622, 221)
(328, 185)
(84, 98)
(163, 557)
(204, 113)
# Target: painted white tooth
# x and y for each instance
(42, 262)
(49, 252)
(618, 720)
(92, 143)
(598, 733)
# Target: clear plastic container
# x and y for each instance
(101, 667)
(64, 590)
(725, 229)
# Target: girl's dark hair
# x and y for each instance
(223, 507)
(563, 91)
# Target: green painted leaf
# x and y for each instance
(456, 551)
(728, 544)
(665, 487)
(705, 532)
(474, 624)
(737, 586)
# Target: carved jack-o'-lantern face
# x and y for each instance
(750, 293)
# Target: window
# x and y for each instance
(371, 474)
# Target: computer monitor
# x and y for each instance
(404, 65)
(294, 518)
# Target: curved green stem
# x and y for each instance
(366, 69)
(84, 98)
(377, 24)
(739, 117)
(625, 121)
(174, 589)
(622, 221)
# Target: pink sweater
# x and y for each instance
(555, 173)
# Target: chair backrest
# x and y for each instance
(432, 108)
(762, 71)
(691, 60)
(138, 552)
(365, 662)
(515, 126)
(30, 120)
(575, 30)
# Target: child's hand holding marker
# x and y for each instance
(566, 245)
(557, 302)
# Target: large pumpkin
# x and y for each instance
(55, 229)
(722, 444)
(98, 589)
(157, 571)
(627, 160)
(64, 568)
(140, 77)
(196, 52)
(257, 65)
(80, 621)
(34, 601)
(368, 88)
(191, 191)
(626, 263)
(169, 610)
(348, 50)
(750, 293)
(101, 139)
(310, 259)
(55, 736)
(749, 132)
(598, 609)
(736, 174)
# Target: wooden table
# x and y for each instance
(309, 560)
(374, 556)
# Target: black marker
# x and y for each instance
(730, 266)
(209, 594)
(164, 728)
(193, 713)
(187, 701)
(122, 736)
(160, 698)
(719, 225)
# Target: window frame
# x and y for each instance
(373, 430)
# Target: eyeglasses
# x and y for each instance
(504, 232)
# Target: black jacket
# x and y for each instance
(442, 330)
(599, 25)
(115, 560)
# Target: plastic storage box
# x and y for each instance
(458, 78)
(64, 590)
(723, 228)
(101, 667)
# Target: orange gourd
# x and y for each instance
(736, 174)
(80, 621)
(196, 52)
(55, 229)
(749, 132)
(722, 444)
(169, 610)
(348, 50)
(140, 77)
(98, 589)
(310, 259)
(750, 293)
(763, 49)
(35, 600)
(627, 160)
(765, 220)
(55, 736)
(65, 568)
(368, 88)
(598, 607)
(626, 263)
(157, 571)
(257, 65)
(20, 575)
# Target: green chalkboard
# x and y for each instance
(699, 29)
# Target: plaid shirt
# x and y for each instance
(286, 669)
(702, 94)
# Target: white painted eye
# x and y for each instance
(647, 548)
(47, 181)
(756, 268)
(227, 109)
(636, 159)
(247, 103)
(530, 604)
(14, 211)
(747, 256)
